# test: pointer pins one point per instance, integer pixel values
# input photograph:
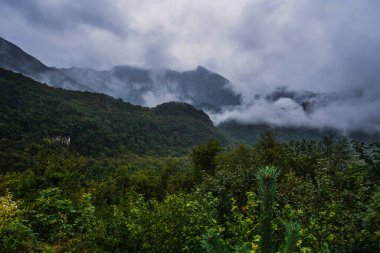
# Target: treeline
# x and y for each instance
(302, 196)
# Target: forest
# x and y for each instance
(134, 179)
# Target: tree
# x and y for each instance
(267, 183)
(203, 157)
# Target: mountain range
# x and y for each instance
(201, 88)
(132, 84)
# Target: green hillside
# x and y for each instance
(251, 133)
(32, 114)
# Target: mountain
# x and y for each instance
(136, 85)
(15, 59)
(310, 101)
(32, 114)
(201, 87)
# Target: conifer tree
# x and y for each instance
(267, 192)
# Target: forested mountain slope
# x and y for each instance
(251, 133)
(91, 124)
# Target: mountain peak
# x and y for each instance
(15, 59)
(201, 69)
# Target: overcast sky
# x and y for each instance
(315, 45)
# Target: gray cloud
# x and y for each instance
(346, 115)
(89, 33)
(59, 16)
(315, 45)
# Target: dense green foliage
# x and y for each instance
(33, 113)
(327, 200)
(250, 133)
(105, 192)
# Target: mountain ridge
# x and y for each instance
(31, 112)
(130, 83)
(14, 58)
(200, 87)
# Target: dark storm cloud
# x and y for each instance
(86, 33)
(63, 15)
(315, 45)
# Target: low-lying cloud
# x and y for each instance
(346, 113)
